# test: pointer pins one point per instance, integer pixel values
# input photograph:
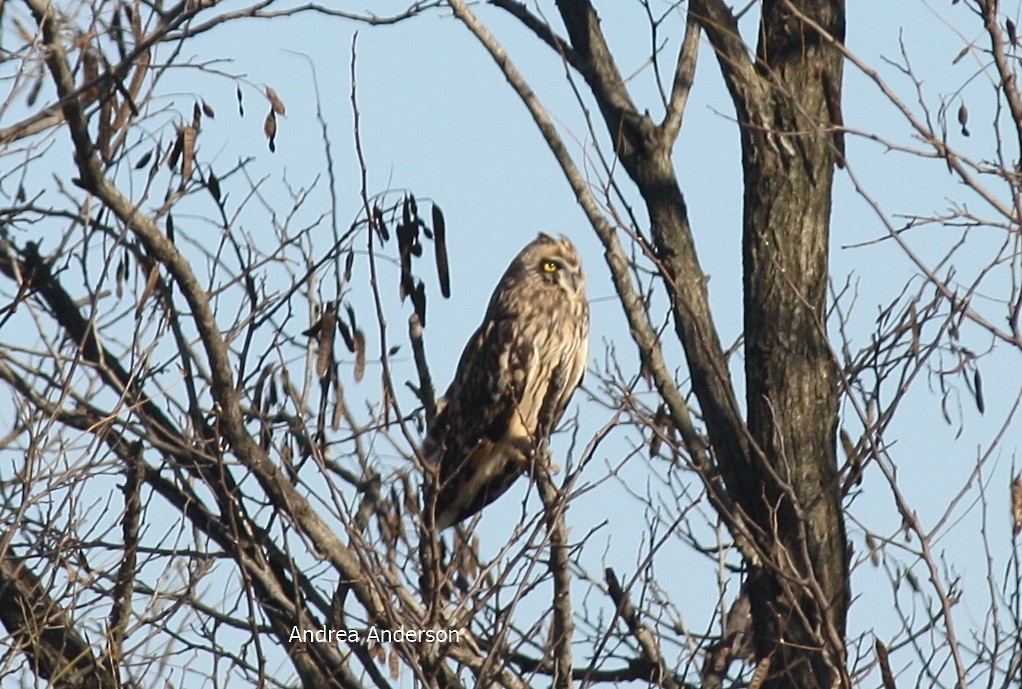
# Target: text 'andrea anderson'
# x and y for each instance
(328, 635)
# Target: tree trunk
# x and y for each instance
(783, 500)
(800, 593)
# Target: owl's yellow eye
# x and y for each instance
(550, 267)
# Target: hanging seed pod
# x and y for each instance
(275, 102)
(349, 261)
(270, 130)
(187, 152)
(1016, 506)
(360, 355)
(213, 185)
(963, 119)
(440, 251)
(977, 388)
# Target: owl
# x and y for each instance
(513, 382)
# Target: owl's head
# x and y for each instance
(551, 263)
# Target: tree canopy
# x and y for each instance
(243, 244)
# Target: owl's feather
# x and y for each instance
(514, 380)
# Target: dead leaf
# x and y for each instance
(325, 341)
(762, 671)
(349, 341)
(977, 384)
(257, 389)
(349, 261)
(339, 406)
(157, 156)
(440, 251)
(33, 93)
(377, 223)
(963, 119)
(1016, 506)
(241, 104)
(213, 185)
(406, 232)
(150, 287)
(275, 102)
(395, 665)
(120, 277)
(360, 355)
(175, 152)
(187, 152)
(144, 160)
(270, 130)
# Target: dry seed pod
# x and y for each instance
(360, 355)
(349, 261)
(1016, 506)
(270, 129)
(33, 93)
(963, 119)
(213, 185)
(187, 152)
(150, 288)
(440, 251)
(144, 160)
(175, 151)
(325, 342)
(275, 102)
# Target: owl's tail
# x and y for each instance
(485, 475)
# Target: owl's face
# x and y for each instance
(546, 275)
(552, 264)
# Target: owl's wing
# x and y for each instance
(482, 400)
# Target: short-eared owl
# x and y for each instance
(514, 380)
